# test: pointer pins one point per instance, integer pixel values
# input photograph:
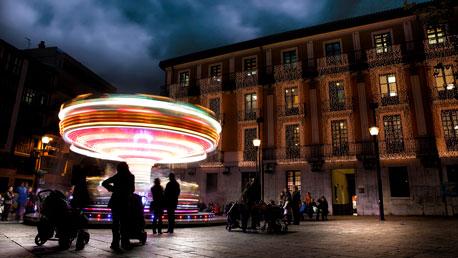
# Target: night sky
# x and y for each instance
(124, 40)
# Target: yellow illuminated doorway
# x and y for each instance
(343, 192)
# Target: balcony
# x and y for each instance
(398, 149)
(438, 50)
(451, 143)
(335, 106)
(177, 91)
(288, 72)
(333, 64)
(384, 56)
(249, 154)
(246, 79)
(269, 154)
(395, 98)
(287, 111)
(291, 154)
(249, 115)
(210, 85)
(314, 156)
(439, 94)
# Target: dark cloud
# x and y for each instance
(123, 41)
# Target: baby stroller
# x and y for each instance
(137, 220)
(233, 210)
(275, 220)
(59, 222)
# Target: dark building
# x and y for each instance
(35, 82)
(311, 96)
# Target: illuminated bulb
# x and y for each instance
(450, 86)
(393, 94)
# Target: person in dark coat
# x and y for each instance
(249, 198)
(157, 205)
(322, 208)
(78, 181)
(287, 204)
(171, 193)
(122, 185)
(8, 199)
(296, 205)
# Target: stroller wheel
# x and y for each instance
(87, 236)
(39, 241)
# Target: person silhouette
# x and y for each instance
(171, 193)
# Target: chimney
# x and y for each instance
(42, 44)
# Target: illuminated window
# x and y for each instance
(382, 42)
(339, 132)
(393, 134)
(450, 126)
(289, 57)
(250, 106)
(212, 182)
(336, 95)
(249, 151)
(184, 79)
(215, 72)
(293, 178)
(29, 96)
(399, 182)
(389, 89)
(436, 34)
(291, 101)
(445, 80)
(249, 65)
(292, 141)
(215, 106)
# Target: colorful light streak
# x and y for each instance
(140, 129)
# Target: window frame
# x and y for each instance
(393, 133)
(339, 137)
(218, 76)
(339, 103)
(296, 177)
(188, 71)
(332, 41)
(435, 34)
(283, 51)
(251, 71)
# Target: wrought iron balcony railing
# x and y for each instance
(212, 84)
(250, 154)
(444, 93)
(397, 98)
(443, 49)
(384, 56)
(451, 143)
(178, 91)
(333, 64)
(397, 148)
(288, 72)
(333, 106)
(291, 154)
(283, 111)
(246, 79)
(249, 115)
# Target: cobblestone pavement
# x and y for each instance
(339, 237)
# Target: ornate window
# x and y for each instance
(215, 72)
(215, 106)
(333, 48)
(336, 95)
(450, 126)
(292, 141)
(249, 65)
(250, 106)
(393, 134)
(293, 178)
(291, 101)
(435, 34)
(389, 89)
(289, 57)
(399, 182)
(382, 42)
(339, 133)
(184, 79)
(445, 80)
(249, 151)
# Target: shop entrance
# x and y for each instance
(344, 199)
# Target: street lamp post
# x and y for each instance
(45, 140)
(374, 130)
(257, 145)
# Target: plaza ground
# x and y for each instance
(338, 237)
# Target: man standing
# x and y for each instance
(171, 193)
(296, 205)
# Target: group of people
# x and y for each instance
(296, 209)
(21, 200)
(122, 186)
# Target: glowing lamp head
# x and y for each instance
(374, 130)
(46, 139)
(256, 142)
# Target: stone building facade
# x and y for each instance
(311, 96)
